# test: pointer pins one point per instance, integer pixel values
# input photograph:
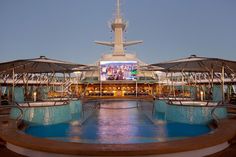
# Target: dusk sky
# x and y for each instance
(67, 29)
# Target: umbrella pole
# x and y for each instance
(62, 85)
(195, 86)
(183, 92)
(212, 82)
(167, 82)
(172, 85)
(13, 85)
(223, 82)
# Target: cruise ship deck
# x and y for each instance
(119, 105)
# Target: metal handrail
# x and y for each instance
(214, 116)
(151, 112)
(90, 110)
(20, 116)
(140, 105)
(66, 101)
(219, 104)
(169, 101)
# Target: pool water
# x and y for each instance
(117, 122)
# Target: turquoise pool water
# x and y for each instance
(118, 122)
(189, 114)
(49, 115)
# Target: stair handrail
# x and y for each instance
(89, 110)
(20, 116)
(220, 104)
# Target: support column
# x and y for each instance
(100, 88)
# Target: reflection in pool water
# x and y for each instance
(117, 122)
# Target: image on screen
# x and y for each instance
(118, 70)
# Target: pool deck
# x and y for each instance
(229, 152)
(4, 152)
(187, 145)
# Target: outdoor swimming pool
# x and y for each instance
(118, 122)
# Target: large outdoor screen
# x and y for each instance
(118, 70)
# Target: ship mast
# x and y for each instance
(118, 26)
(118, 9)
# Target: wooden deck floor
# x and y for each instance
(229, 152)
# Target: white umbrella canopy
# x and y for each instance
(39, 65)
(198, 64)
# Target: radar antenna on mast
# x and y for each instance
(118, 26)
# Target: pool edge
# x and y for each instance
(224, 133)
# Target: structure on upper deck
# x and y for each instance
(118, 26)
